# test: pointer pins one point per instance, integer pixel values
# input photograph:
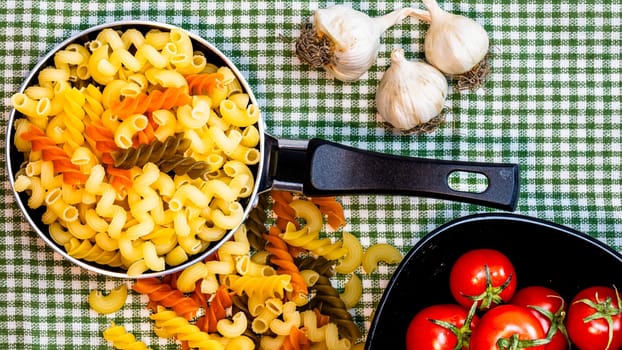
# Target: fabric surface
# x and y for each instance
(552, 105)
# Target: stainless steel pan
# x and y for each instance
(313, 167)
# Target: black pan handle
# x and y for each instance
(319, 168)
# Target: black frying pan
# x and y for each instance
(543, 253)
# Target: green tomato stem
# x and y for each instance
(603, 309)
(491, 294)
(463, 334)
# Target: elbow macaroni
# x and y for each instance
(380, 252)
(352, 291)
(107, 304)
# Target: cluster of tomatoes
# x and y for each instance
(489, 312)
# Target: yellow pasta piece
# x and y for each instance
(227, 215)
(309, 321)
(271, 342)
(189, 276)
(107, 304)
(380, 252)
(311, 241)
(310, 213)
(168, 324)
(176, 256)
(148, 53)
(128, 128)
(37, 111)
(264, 287)
(236, 116)
(151, 257)
(353, 290)
(99, 67)
(165, 78)
(121, 339)
(354, 256)
(261, 321)
(234, 327)
(291, 318)
(59, 234)
(240, 342)
(332, 338)
(310, 277)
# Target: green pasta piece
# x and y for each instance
(181, 165)
(153, 152)
(327, 300)
(256, 224)
(320, 265)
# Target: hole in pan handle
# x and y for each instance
(320, 168)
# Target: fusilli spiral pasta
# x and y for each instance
(168, 324)
(153, 152)
(161, 293)
(281, 258)
(50, 151)
(181, 165)
(328, 302)
(204, 84)
(121, 339)
(156, 99)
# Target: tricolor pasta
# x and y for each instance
(277, 296)
(139, 151)
(138, 148)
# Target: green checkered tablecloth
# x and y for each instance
(552, 105)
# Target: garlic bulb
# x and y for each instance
(454, 44)
(345, 41)
(410, 93)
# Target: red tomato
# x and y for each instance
(485, 275)
(424, 334)
(595, 319)
(548, 306)
(515, 325)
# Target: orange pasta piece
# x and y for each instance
(199, 296)
(322, 319)
(282, 258)
(296, 340)
(156, 99)
(333, 210)
(204, 83)
(283, 211)
(52, 152)
(120, 179)
(144, 136)
(161, 293)
(216, 310)
(102, 136)
(281, 196)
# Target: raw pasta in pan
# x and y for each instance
(127, 105)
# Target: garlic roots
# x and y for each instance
(345, 41)
(410, 94)
(453, 43)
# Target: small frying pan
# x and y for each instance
(313, 167)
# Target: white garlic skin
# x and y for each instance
(355, 36)
(410, 93)
(453, 43)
